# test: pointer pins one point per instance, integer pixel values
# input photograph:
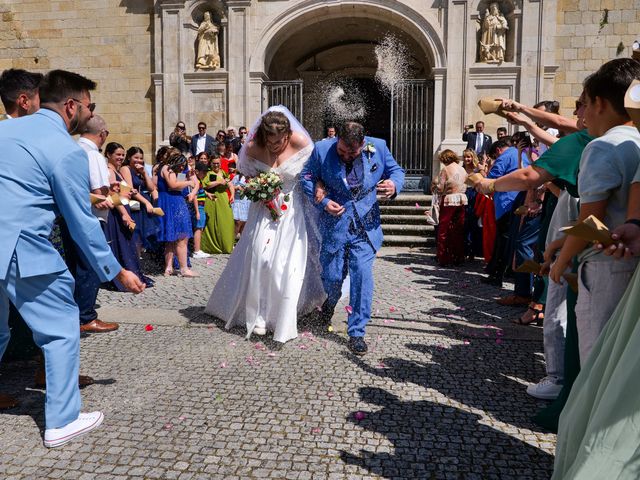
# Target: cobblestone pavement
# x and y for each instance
(440, 395)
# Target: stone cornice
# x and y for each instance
(238, 3)
(169, 4)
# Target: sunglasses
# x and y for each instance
(181, 127)
(91, 106)
(202, 128)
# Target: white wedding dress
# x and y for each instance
(273, 273)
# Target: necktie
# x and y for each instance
(479, 143)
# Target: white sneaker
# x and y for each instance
(56, 437)
(545, 389)
(200, 254)
(259, 330)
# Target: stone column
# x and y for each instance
(238, 60)
(167, 68)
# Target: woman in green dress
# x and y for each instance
(218, 235)
(599, 431)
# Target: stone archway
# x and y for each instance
(321, 44)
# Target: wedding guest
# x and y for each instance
(200, 216)
(92, 139)
(175, 225)
(477, 141)
(240, 205)
(202, 141)
(19, 92)
(146, 193)
(203, 157)
(218, 234)
(50, 173)
(331, 132)
(451, 187)
(507, 160)
(472, 231)
(179, 138)
(598, 429)
(219, 153)
(501, 132)
(242, 136)
(120, 225)
(607, 166)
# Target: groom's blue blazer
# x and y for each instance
(361, 209)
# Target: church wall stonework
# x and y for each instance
(108, 41)
(141, 53)
(586, 38)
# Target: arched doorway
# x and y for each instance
(313, 59)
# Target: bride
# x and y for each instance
(273, 273)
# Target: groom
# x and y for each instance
(353, 169)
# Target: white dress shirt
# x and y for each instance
(202, 141)
(98, 172)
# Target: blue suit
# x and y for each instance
(350, 241)
(44, 173)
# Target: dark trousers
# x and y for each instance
(87, 282)
(498, 263)
(524, 250)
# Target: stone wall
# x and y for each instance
(108, 41)
(585, 39)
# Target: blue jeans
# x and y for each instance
(355, 257)
(524, 250)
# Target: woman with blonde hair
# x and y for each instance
(453, 200)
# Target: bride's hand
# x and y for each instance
(320, 192)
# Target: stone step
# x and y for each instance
(404, 210)
(420, 219)
(407, 199)
(407, 229)
(408, 241)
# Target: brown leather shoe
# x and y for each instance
(40, 379)
(7, 402)
(98, 326)
(513, 301)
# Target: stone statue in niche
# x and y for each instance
(207, 54)
(493, 41)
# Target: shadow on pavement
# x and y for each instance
(432, 440)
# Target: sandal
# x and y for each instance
(168, 272)
(537, 318)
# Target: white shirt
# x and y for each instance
(202, 140)
(479, 142)
(98, 172)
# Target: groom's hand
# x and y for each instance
(333, 208)
(386, 188)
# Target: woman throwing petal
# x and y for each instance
(273, 272)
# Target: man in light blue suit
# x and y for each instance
(353, 169)
(43, 173)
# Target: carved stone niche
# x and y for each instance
(216, 10)
(487, 50)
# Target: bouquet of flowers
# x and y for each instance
(265, 188)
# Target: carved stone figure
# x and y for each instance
(493, 42)
(207, 55)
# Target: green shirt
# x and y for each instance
(562, 160)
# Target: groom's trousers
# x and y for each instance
(47, 307)
(355, 258)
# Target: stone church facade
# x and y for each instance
(143, 54)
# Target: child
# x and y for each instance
(200, 216)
